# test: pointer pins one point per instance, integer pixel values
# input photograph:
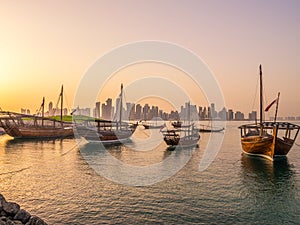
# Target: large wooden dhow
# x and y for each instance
(20, 125)
(268, 139)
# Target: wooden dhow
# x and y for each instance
(20, 125)
(182, 137)
(268, 139)
(105, 131)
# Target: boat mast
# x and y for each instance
(189, 116)
(121, 106)
(43, 110)
(276, 107)
(61, 104)
(261, 94)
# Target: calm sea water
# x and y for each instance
(53, 180)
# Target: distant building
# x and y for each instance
(146, 110)
(130, 111)
(239, 115)
(107, 109)
(138, 112)
(223, 114)
(208, 113)
(253, 116)
(230, 114)
(97, 110)
(213, 110)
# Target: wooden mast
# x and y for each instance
(189, 116)
(61, 104)
(276, 107)
(121, 106)
(43, 110)
(261, 95)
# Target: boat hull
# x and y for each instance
(211, 130)
(186, 141)
(282, 147)
(40, 132)
(260, 146)
(104, 136)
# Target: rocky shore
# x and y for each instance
(12, 214)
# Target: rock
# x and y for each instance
(34, 220)
(2, 222)
(16, 222)
(2, 200)
(9, 222)
(11, 208)
(2, 213)
(22, 216)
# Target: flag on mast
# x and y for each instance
(270, 105)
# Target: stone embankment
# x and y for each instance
(12, 214)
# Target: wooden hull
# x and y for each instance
(210, 130)
(260, 146)
(31, 126)
(187, 141)
(282, 147)
(38, 132)
(104, 136)
(151, 127)
(180, 125)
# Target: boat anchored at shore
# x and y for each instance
(20, 125)
(268, 139)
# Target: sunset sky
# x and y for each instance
(48, 43)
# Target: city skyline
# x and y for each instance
(109, 110)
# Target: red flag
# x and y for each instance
(270, 105)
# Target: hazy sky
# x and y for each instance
(44, 44)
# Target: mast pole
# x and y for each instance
(43, 109)
(121, 106)
(189, 116)
(61, 104)
(276, 107)
(261, 95)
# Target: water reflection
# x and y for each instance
(127, 166)
(268, 188)
(262, 170)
